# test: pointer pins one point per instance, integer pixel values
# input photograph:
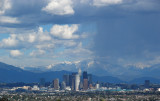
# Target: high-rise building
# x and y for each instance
(73, 81)
(42, 82)
(81, 85)
(85, 84)
(66, 79)
(85, 80)
(89, 78)
(77, 82)
(79, 72)
(63, 85)
(97, 86)
(70, 80)
(56, 84)
(85, 75)
(147, 83)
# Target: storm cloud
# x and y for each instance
(119, 29)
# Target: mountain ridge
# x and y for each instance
(9, 73)
(19, 75)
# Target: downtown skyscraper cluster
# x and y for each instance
(75, 81)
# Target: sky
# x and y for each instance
(44, 32)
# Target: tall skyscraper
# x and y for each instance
(66, 79)
(63, 85)
(85, 80)
(56, 84)
(42, 82)
(79, 72)
(77, 82)
(73, 81)
(70, 80)
(97, 86)
(147, 83)
(85, 84)
(81, 85)
(89, 78)
(85, 75)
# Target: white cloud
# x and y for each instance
(91, 63)
(77, 53)
(106, 2)
(15, 53)
(37, 53)
(7, 19)
(65, 31)
(138, 65)
(80, 49)
(4, 5)
(42, 40)
(39, 44)
(24, 40)
(31, 38)
(40, 36)
(10, 42)
(45, 46)
(59, 7)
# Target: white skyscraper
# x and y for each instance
(79, 72)
(77, 82)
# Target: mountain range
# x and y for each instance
(105, 73)
(103, 68)
(9, 73)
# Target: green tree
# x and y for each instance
(3, 99)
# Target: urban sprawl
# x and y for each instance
(79, 86)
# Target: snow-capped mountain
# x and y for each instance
(101, 68)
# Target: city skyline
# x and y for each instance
(80, 50)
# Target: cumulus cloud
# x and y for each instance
(31, 38)
(9, 42)
(24, 40)
(34, 13)
(15, 53)
(42, 39)
(65, 31)
(39, 43)
(4, 5)
(59, 7)
(42, 36)
(124, 28)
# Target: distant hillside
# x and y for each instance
(103, 68)
(10, 73)
(142, 79)
(109, 79)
